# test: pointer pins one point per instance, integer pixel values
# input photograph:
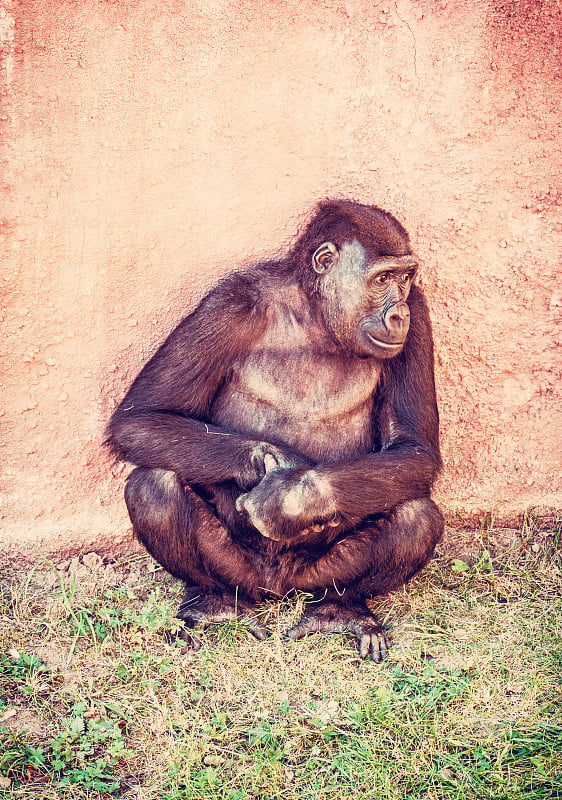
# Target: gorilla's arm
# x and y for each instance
(404, 468)
(162, 421)
(408, 459)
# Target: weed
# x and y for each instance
(20, 667)
(19, 760)
(86, 749)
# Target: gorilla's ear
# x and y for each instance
(324, 257)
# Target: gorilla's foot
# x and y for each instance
(199, 609)
(355, 618)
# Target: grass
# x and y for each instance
(94, 702)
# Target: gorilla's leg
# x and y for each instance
(376, 558)
(180, 531)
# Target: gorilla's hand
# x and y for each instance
(289, 502)
(262, 457)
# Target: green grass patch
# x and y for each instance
(95, 703)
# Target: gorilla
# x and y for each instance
(286, 434)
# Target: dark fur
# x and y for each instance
(200, 438)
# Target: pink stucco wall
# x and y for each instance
(148, 147)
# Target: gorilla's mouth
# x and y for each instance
(385, 345)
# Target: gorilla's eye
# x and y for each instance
(409, 276)
(383, 278)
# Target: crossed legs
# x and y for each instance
(180, 530)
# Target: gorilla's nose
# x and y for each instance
(397, 321)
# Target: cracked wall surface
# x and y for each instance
(148, 148)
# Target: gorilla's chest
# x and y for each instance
(294, 391)
(306, 383)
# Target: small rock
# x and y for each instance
(92, 560)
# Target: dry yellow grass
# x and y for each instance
(95, 702)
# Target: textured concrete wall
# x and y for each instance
(148, 147)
